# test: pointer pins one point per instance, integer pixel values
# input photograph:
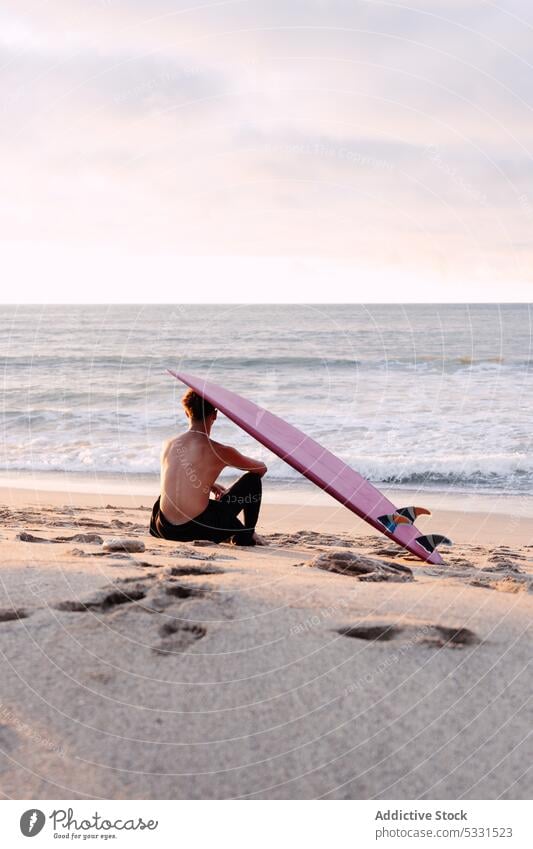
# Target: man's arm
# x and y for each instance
(232, 457)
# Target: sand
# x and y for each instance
(328, 665)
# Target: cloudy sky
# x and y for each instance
(267, 149)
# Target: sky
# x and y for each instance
(266, 150)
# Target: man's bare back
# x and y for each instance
(190, 465)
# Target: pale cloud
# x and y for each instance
(365, 133)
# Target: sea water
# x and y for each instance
(419, 396)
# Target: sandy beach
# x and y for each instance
(328, 665)
(289, 242)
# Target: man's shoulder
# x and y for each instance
(170, 442)
(219, 448)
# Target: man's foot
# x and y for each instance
(259, 540)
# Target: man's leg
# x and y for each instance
(245, 495)
(214, 524)
(154, 530)
(218, 523)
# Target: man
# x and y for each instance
(190, 466)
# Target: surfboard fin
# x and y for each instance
(402, 516)
(392, 520)
(431, 541)
(412, 513)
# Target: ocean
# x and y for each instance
(425, 396)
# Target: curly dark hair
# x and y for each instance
(196, 407)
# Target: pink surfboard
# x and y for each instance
(314, 461)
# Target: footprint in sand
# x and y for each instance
(505, 584)
(157, 590)
(371, 632)
(197, 555)
(183, 571)
(106, 600)
(112, 556)
(361, 567)
(380, 551)
(305, 538)
(134, 579)
(177, 637)
(504, 557)
(436, 636)
(9, 614)
(122, 544)
(167, 593)
(86, 538)
(501, 563)
(182, 590)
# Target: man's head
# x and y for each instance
(197, 408)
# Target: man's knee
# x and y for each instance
(254, 481)
(253, 476)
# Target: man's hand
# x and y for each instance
(218, 491)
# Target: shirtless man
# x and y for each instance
(190, 466)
